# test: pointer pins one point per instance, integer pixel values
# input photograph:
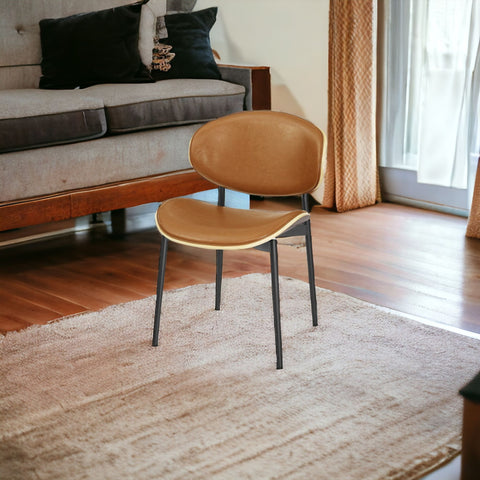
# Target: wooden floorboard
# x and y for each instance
(407, 259)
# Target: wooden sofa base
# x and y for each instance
(85, 201)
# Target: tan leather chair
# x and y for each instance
(261, 153)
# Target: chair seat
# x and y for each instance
(200, 224)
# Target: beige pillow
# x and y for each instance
(148, 22)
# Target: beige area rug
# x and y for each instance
(368, 394)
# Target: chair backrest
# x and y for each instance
(260, 152)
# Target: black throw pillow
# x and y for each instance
(186, 51)
(91, 48)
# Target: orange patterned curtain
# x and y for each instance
(351, 179)
(473, 226)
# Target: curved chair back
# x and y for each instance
(260, 152)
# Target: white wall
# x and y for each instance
(289, 36)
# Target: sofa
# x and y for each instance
(99, 100)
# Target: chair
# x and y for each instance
(261, 153)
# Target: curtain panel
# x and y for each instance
(351, 179)
(473, 226)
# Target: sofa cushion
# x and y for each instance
(182, 46)
(56, 169)
(170, 102)
(20, 30)
(32, 118)
(91, 48)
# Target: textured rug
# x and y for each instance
(368, 394)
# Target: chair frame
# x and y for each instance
(271, 247)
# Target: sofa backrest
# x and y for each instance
(20, 47)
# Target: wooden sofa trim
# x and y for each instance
(114, 196)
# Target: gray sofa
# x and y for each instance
(66, 153)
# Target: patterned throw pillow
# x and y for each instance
(162, 56)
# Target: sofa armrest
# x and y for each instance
(255, 79)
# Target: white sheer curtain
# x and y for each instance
(429, 98)
(474, 130)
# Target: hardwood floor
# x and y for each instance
(411, 260)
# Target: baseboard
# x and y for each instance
(388, 197)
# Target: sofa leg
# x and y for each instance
(119, 222)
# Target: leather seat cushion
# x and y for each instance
(200, 224)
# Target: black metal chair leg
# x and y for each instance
(218, 279)
(276, 302)
(311, 273)
(160, 281)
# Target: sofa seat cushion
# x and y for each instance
(110, 159)
(167, 102)
(32, 118)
